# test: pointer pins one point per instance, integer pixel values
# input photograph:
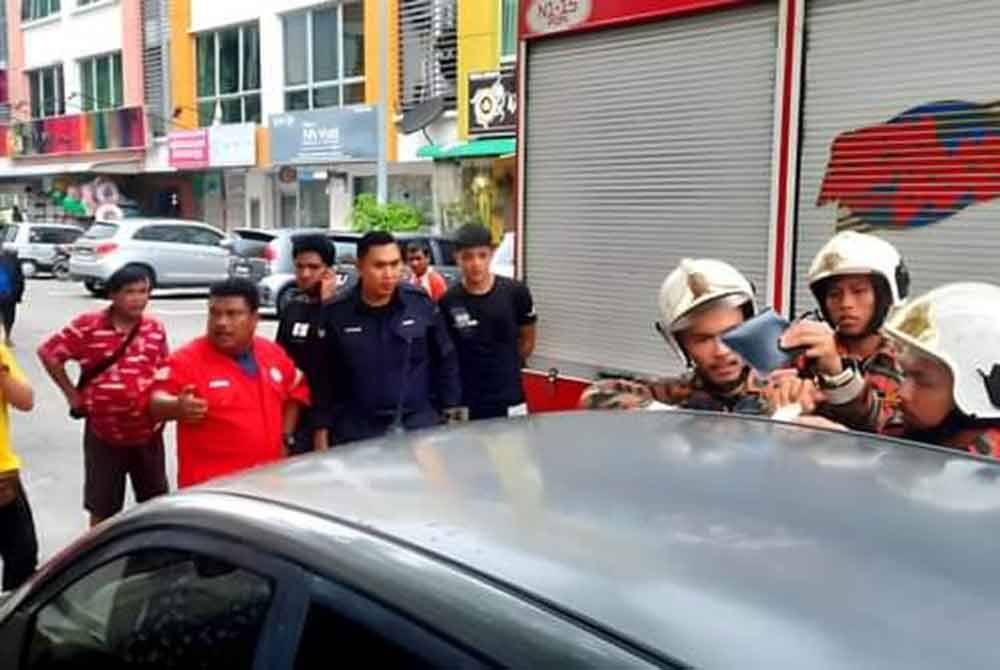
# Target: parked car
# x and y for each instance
(249, 242)
(175, 253)
(585, 540)
(274, 271)
(36, 244)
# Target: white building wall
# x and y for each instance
(72, 35)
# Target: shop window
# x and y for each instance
(32, 10)
(229, 75)
(428, 51)
(46, 87)
(508, 29)
(325, 57)
(101, 82)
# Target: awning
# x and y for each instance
(474, 149)
(124, 166)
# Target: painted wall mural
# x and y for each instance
(919, 168)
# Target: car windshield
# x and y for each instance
(101, 231)
(10, 234)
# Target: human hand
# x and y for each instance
(785, 388)
(191, 408)
(819, 422)
(819, 342)
(328, 285)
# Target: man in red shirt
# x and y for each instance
(418, 257)
(119, 350)
(236, 397)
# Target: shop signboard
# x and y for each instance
(492, 104)
(337, 134)
(233, 145)
(188, 149)
(544, 17)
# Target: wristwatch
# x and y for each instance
(844, 387)
(289, 441)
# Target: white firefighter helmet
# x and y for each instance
(696, 283)
(852, 253)
(958, 325)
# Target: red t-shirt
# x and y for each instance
(243, 427)
(432, 282)
(117, 401)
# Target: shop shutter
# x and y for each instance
(428, 52)
(645, 145)
(155, 32)
(866, 63)
(235, 185)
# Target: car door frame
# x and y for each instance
(209, 258)
(277, 636)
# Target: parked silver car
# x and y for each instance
(582, 540)
(37, 244)
(175, 253)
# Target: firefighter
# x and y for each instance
(699, 301)
(856, 279)
(948, 352)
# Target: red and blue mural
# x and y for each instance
(919, 168)
(108, 130)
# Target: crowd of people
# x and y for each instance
(387, 355)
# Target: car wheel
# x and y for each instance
(96, 288)
(29, 268)
(61, 270)
(285, 297)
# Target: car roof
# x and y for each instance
(136, 222)
(718, 540)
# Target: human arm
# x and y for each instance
(527, 320)
(184, 407)
(445, 376)
(57, 350)
(14, 385)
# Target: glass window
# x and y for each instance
(46, 89)
(102, 231)
(10, 234)
(200, 236)
(150, 234)
(324, 57)
(229, 75)
(32, 10)
(101, 82)
(154, 609)
(508, 29)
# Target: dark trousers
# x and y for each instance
(8, 312)
(18, 543)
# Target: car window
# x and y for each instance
(154, 609)
(347, 251)
(254, 236)
(68, 235)
(200, 236)
(101, 231)
(46, 235)
(447, 249)
(10, 235)
(155, 234)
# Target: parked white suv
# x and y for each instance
(175, 253)
(36, 244)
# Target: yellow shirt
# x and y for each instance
(8, 458)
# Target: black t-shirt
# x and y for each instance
(485, 329)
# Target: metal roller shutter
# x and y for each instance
(645, 145)
(930, 176)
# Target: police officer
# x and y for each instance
(951, 390)
(392, 361)
(299, 330)
(856, 279)
(699, 301)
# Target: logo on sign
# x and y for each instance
(546, 16)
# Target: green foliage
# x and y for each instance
(393, 217)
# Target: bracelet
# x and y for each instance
(836, 381)
(847, 392)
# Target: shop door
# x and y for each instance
(901, 120)
(289, 210)
(647, 144)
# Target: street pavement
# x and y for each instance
(47, 439)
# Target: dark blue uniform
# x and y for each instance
(387, 365)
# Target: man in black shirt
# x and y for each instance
(299, 332)
(492, 323)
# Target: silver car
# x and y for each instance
(581, 540)
(175, 253)
(37, 244)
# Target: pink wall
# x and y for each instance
(17, 85)
(131, 52)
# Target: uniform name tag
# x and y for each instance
(218, 384)
(409, 322)
(353, 329)
(300, 330)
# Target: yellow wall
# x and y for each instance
(182, 64)
(478, 49)
(372, 74)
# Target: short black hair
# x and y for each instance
(237, 288)
(317, 244)
(418, 246)
(376, 238)
(473, 235)
(126, 276)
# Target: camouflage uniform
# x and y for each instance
(877, 408)
(689, 391)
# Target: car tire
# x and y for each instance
(29, 269)
(61, 270)
(284, 298)
(96, 288)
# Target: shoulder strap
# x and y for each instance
(93, 373)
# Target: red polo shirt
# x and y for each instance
(243, 427)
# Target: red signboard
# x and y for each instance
(189, 150)
(544, 17)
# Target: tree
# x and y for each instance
(393, 217)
